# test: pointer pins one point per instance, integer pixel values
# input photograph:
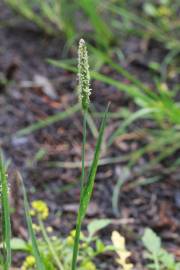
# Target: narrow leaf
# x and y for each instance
(48, 121)
(6, 225)
(87, 191)
(39, 262)
(92, 173)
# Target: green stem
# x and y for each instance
(83, 151)
(156, 262)
(76, 241)
(50, 246)
(79, 219)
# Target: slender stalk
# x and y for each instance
(79, 219)
(87, 190)
(6, 223)
(51, 249)
(76, 241)
(83, 150)
(157, 267)
(35, 250)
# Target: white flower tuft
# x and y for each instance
(84, 90)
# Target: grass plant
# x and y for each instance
(86, 185)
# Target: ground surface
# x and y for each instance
(23, 51)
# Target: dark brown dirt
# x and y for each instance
(23, 54)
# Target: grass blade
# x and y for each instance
(6, 224)
(50, 246)
(142, 113)
(48, 121)
(87, 191)
(92, 173)
(39, 262)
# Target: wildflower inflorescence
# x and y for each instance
(40, 209)
(29, 263)
(83, 75)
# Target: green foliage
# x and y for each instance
(159, 258)
(87, 189)
(96, 225)
(47, 16)
(35, 249)
(158, 21)
(55, 17)
(48, 121)
(90, 247)
(155, 21)
(158, 105)
(102, 34)
(6, 225)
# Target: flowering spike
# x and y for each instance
(83, 75)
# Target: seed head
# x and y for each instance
(8, 189)
(83, 75)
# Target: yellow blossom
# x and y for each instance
(119, 243)
(40, 208)
(28, 263)
(73, 233)
(32, 213)
(164, 11)
(70, 240)
(88, 266)
(36, 227)
(54, 238)
(49, 229)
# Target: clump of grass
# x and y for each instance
(157, 106)
(57, 17)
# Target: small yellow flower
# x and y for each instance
(49, 229)
(28, 263)
(119, 243)
(164, 11)
(40, 208)
(73, 233)
(35, 227)
(70, 240)
(163, 87)
(88, 266)
(84, 245)
(54, 238)
(32, 213)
